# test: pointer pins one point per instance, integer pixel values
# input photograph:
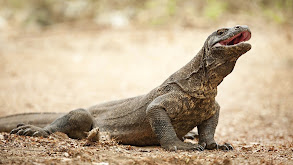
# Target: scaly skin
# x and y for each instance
(167, 113)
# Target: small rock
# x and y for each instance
(246, 148)
(105, 136)
(1, 137)
(94, 135)
(65, 159)
(227, 162)
(100, 163)
(66, 154)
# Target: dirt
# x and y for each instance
(65, 68)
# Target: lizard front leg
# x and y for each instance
(206, 131)
(163, 129)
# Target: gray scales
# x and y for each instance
(164, 115)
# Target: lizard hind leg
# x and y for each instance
(76, 124)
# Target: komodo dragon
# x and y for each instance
(163, 116)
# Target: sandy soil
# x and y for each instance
(66, 68)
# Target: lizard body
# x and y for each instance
(164, 115)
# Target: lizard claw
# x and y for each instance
(29, 130)
(224, 147)
(20, 124)
(200, 148)
(39, 134)
(18, 130)
(203, 146)
(184, 146)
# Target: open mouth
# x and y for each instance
(238, 38)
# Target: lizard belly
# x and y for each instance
(129, 130)
(125, 121)
(139, 136)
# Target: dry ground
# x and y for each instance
(66, 68)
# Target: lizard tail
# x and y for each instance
(7, 123)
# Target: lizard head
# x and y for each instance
(222, 49)
(228, 43)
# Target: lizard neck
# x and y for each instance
(193, 78)
(217, 68)
(201, 76)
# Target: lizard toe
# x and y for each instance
(229, 146)
(212, 146)
(183, 146)
(223, 147)
(14, 131)
(199, 148)
(40, 134)
(37, 134)
(20, 124)
(202, 146)
(226, 147)
(17, 129)
(20, 132)
(28, 132)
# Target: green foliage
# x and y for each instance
(15, 4)
(274, 16)
(171, 5)
(146, 12)
(160, 12)
(277, 11)
(214, 9)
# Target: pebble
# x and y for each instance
(66, 154)
(100, 163)
(65, 159)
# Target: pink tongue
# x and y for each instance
(245, 34)
(243, 37)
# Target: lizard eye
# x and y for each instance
(221, 31)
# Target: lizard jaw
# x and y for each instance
(234, 40)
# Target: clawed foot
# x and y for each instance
(184, 146)
(29, 130)
(224, 147)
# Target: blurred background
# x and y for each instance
(61, 55)
(145, 13)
